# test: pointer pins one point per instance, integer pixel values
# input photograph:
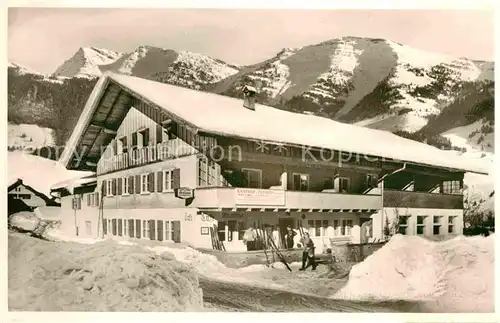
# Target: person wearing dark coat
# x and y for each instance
(290, 235)
(308, 252)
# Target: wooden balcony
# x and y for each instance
(141, 156)
(424, 200)
(219, 198)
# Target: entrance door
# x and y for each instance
(282, 224)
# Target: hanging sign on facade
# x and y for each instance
(184, 193)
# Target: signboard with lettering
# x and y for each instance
(255, 196)
(232, 214)
(184, 193)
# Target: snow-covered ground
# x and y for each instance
(456, 275)
(450, 276)
(29, 136)
(38, 172)
(467, 137)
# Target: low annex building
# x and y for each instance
(174, 164)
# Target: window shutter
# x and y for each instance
(88, 199)
(113, 187)
(159, 181)
(151, 180)
(159, 133)
(105, 226)
(114, 143)
(145, 137)
(134, 141)
(137, 184)
(97, 199)
(73, 204)
(104, 188)
(131, 185)
(176, 178)
(119, 188)
(79, 203)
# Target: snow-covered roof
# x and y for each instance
(38, 172)
(222, 115)
(72, 183)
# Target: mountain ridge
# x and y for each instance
(371, 82)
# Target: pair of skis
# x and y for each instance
(268, 239)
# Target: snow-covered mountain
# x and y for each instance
(176, 67)
(373, 82)
(86, 62)
(21, 70)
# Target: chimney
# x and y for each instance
(249, 93)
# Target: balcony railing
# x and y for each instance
(424, 200)
(141, 156)
(240, 198)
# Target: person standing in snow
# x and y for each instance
(249, 238)
(290, 235)
(308, 252)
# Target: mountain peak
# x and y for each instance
(86, 61)
(23, 69)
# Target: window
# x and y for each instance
(436, 225)
(207, 172)
(167, 180)
(345, 229)
(120, 227)
(109, 187)
(403, 224)
(421, 224)
(451, 224)
(168, 233)
(343, 184)
(336, 227)
(122, 145)
(143, 138)
(144, 229)
(317, 228)
(452, 187)
(325, 227)
(125, 186)
(125, 228)
(301, 182)
(144, 184)
(371, 180)
(253, 177)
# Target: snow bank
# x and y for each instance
(101, 277)
(25, 221)
(453, 276)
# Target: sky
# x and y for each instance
(43, 38)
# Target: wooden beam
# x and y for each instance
(91, 164)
